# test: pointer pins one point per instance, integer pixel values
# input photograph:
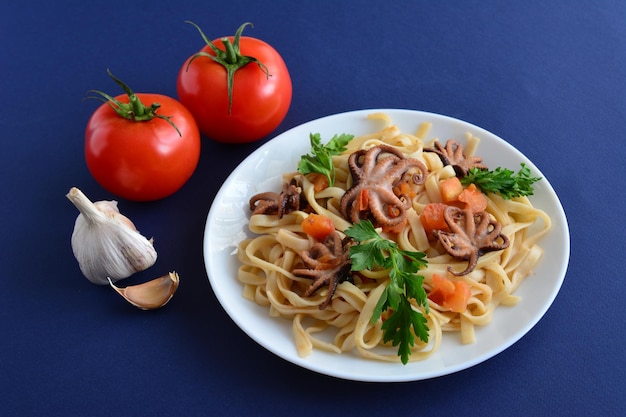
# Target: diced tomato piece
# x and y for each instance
(442, 288)
(450, 294)
(320, 181)
(473, 198)
(436, 296)
(317, 226)
(450, 189)
(432, 218)
(364, 199)
(457, 302)
(443, 284)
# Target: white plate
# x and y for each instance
(227, 225)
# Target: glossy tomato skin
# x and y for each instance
(259, 103)
(142, 161)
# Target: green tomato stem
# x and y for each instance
(230, 58)
(133, 110)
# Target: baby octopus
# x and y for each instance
(270, 202)
(326, 263)
(470, 236)
(452, 154)
(375, 172)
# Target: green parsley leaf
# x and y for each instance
(404, 320)
(321, 161)
(397, 328)
(367, 256)
(502, 181)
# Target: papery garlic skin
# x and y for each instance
(152, 294)
(105, 243)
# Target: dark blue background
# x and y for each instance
(547, 76)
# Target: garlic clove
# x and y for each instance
(151, 294)
(106, 243)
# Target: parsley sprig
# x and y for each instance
(404, 321)
(321, 161)
(502, 181)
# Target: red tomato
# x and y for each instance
(259, 102)
(142, 160)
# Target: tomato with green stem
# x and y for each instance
(238, 88)
(141, 152)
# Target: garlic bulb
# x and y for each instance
(106, 244)
(152, 294)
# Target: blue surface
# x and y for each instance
(549, 77)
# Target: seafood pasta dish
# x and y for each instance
(382, 243)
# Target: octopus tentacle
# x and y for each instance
(405, 165)
(266, 196)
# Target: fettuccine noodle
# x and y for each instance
(267, 261)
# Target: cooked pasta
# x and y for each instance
(269, 259)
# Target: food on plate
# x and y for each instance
(106, 243)
(141, 146)
(238, 88)
(151, 294)
(417, 250)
